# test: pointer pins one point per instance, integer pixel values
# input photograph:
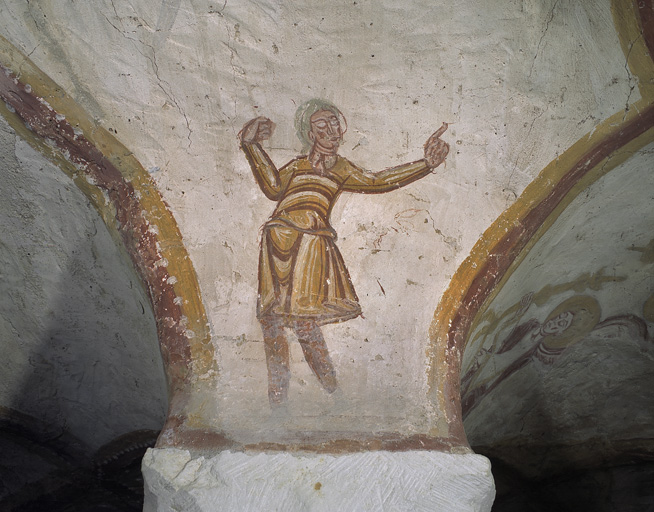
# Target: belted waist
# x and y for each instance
(284, 223)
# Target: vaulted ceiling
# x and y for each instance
(536, 250)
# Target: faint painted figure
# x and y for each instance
(566, 325)
(303, 281)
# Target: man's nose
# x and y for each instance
(332, 129)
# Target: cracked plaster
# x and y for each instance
(175, 81)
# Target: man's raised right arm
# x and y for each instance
(263, 168)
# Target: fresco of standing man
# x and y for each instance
(303, 281)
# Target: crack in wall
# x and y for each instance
(542, 37)
(232, 55)
(170, 95)
(20, 67)
(404, 219)
(155, 67)
(633, 81)
(515, 165)
(29, 10)
(216, 11)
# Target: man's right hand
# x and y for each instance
(256, 130)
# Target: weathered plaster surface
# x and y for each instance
(80, 352)
(375, 481)
(175, 81)
(519, 83)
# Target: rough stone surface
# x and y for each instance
(374, 481)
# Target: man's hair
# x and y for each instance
(303, 119)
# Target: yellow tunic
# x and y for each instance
(302, 275)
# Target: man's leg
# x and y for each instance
(315, 352)
(277, 359)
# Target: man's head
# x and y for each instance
(311, 129)
(557, 325)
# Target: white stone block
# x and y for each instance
(377, 481)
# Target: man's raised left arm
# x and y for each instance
(366, 182)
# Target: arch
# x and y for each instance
(509, 239)
(130, 205)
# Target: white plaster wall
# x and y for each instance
(79, 346)
(519, 81)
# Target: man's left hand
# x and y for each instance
(436, 149)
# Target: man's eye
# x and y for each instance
(321, 124)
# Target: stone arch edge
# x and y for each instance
(508, 240)
(125, 196)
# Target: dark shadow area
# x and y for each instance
(539, 466)
(41, 474)
(625, 488)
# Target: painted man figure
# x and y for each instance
(544, 343)
(303, 281)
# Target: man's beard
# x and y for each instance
(322, 159)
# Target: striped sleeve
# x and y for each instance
(365, 182)
(271, 181)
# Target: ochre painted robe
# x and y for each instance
(302, 275)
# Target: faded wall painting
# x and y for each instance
(504, 352)
(545, 332)
(303, 279)
(284, 324)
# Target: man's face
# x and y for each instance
(557, 325)
(326, 131)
